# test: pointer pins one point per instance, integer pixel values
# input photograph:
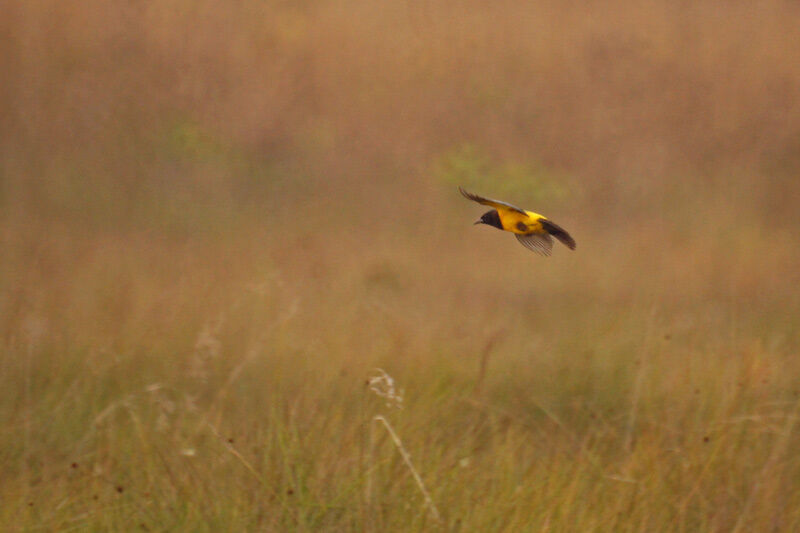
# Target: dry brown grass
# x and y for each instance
(217, 218)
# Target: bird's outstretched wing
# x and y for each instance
(541, 243)
(497, 204)
(559, 233)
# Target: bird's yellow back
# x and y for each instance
(516, 222)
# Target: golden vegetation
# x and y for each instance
(216, 219)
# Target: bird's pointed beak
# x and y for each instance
(479, 221)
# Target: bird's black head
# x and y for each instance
(491, 218)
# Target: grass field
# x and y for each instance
(219, 220)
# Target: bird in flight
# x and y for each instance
(531, 229)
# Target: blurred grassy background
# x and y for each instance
(217, 218)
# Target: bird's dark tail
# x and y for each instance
(559, 233)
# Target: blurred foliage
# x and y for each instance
(470, 167)
(216, 218)
(186, 139)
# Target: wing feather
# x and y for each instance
(541, 243)
(559, 233)
(497, 204)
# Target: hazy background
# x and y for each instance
(216, 218)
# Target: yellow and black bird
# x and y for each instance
(531, 229)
